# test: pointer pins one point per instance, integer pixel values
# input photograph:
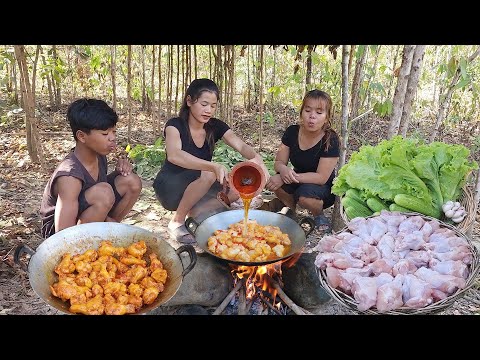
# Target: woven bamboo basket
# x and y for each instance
(350, 302)
(466, 199)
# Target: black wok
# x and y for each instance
(223, 220)
(80, 238)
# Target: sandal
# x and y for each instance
(182, 235)
(322, 223)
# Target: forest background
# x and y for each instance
(427, 92)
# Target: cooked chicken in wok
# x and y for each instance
(261, 243)
(110, 280)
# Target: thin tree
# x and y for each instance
(411, 88)
(400, 90)
(49, 81)
(336, 218)
(448, 96)
(129, 91)
(34, 145)
(260, 115)
(178, 79)
(272, 83)
(58, 92)
(308, 73)
(151, 94)
(371, 77)
(113, 53)
(144, 85)
(195, 59)
(159, 118)
(357, 80)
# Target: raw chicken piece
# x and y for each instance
(416, 292)
(340, 261)
(445, 283)
(376, 228)
(419, 258)
(364, 290)
(389, 295)
(450, 267)
(340, 279)
(404, 266)
(327, 243)
(461, 253)
(409, 241)
(380, 266)
(413, 223)
(386, 245)
(383, 279)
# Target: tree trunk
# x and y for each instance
(260, 135)
(249, 103)
(448, 96)
(159, 118)
(151, 95)
(308, 74)
(113, 52)
(49, 82)
(34, 75)
(390, 86)
(372, 76)
(272, 84)
(58, 92)
(476, 199)
(129, 91)
(357, 81)
(144, 85)
(178, 80)
(33, 143)
(400, 90)
(337, 222)
(195, 59)
(169, 81)
(411, 88)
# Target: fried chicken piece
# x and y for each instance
(119, 309)
(114, 288)
(136, 301)
(83, 267)
(106, 248)
(120, 267)
(132, 260)
(155, 262)
(136, 273)
(93, 306)
(84, 280)
(87, 256)
(150, 294)
(97, 289)
(137, 249)
(159, 275)
(148, 282)
(63, 290)
(66, 265)
(135, 290)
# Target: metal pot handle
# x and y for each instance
(191, 225)
(191, 253)
(307, 220)
(19, 251)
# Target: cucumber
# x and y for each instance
(356, 208)
(416, 204)
(355, 194)
(376, 204)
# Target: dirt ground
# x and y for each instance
(22, 184)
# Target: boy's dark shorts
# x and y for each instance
(83, 203)
(321, 192)
(48, 228)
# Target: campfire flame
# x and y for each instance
(257, 277)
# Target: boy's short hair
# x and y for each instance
(90, 114)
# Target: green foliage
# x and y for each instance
(148, 159)
(383, 108)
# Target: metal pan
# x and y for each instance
(80, 238)
(223, 220)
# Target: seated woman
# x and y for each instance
(313, 149)
(189, 173)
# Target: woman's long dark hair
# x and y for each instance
(194, 91)
(327, 103)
